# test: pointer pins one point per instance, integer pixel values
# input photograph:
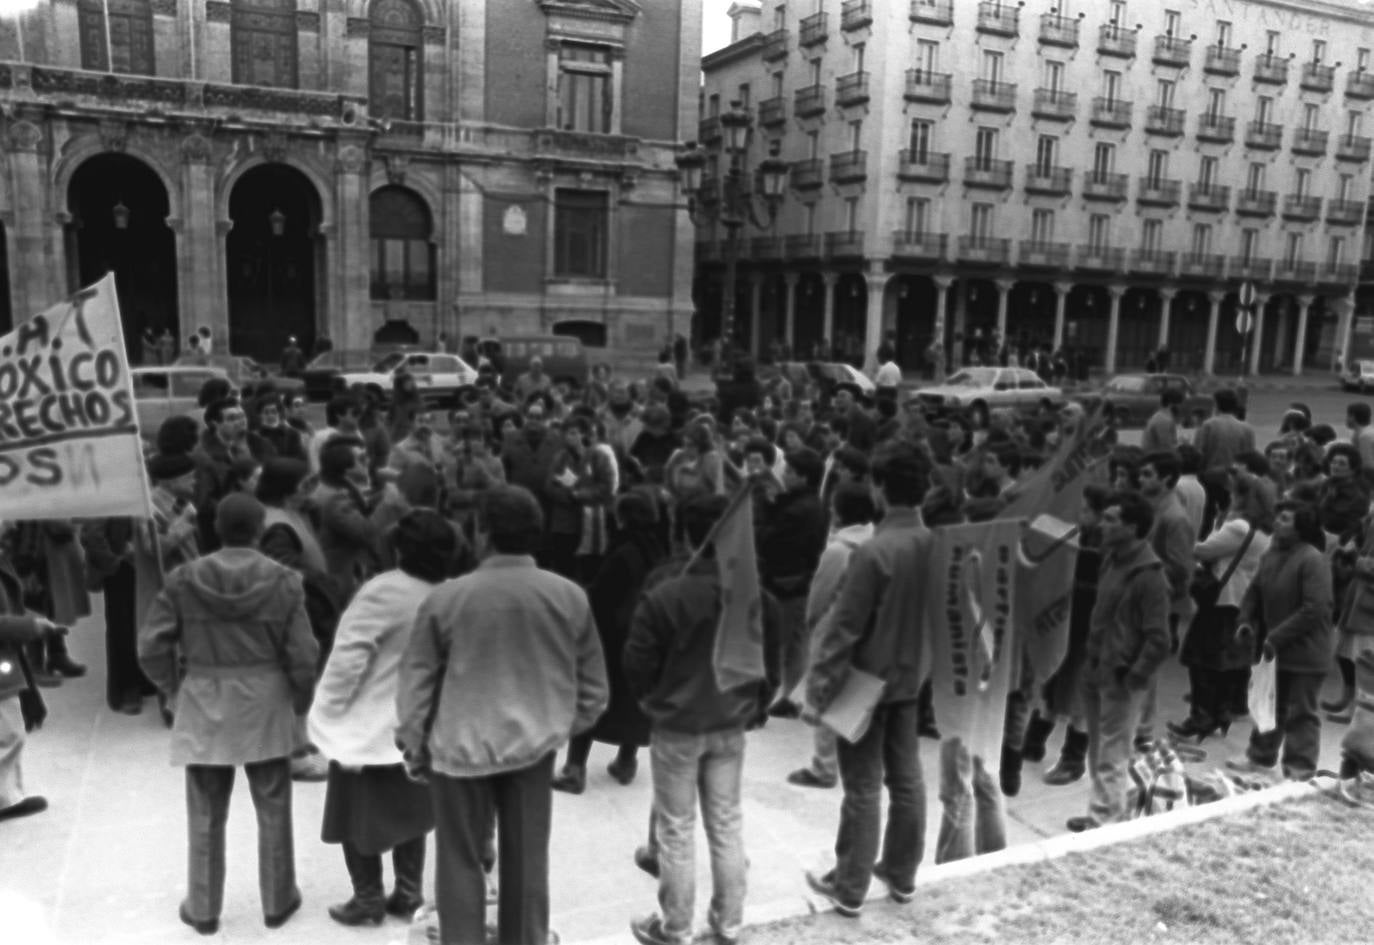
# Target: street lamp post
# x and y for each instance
(729, 200)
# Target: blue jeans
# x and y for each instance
(1113, 715)
(975, 820)
(713, 764)
(888, 754)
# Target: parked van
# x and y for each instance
(564, 358)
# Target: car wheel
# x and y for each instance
(978, 414)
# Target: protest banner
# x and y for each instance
(738, 656)
(69, 441)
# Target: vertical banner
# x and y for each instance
(974, 649)
(69, 442)
(738, 656)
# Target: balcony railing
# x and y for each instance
(1271, 69)
(1317, 77)
(812, 30)
(802, 246)
(1113, 40)
(1209, 197)
(1172, 51)
(708, 130)
(844, 243)
(1099, 185)
(774, 46)
(927, 166)
(1256, 203)
(1263, 135)
(1158, 191)
(1256, 268)
(1044, 254)
(923, 85)
(993, 96)
(765, 247)
(848, 167)
(985, 172)
(984, 249)
(1295, 270)
(1059, 30)
(1345, 212)
(907, 244)
(932, 12)
(851, 89)
(1111, 113)
(1218, 128)
(1298, 207)
(1206, 265)
(809, 101)
(1055, 105)
(856, 14)
(1222, 61)
(1160, 120)
(1360, 85)
(999, 18)
(1101, 258)
(1310, 141)
(1337, 273)
(1156, 261)
(773, 111)
(1044, 179)
(1354, 148)
(807, 175)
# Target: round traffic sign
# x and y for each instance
(1247, 294)
(1244, 320)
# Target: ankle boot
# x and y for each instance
(1072, 759)
(408, 862)
(367, 904)
(1009, 777)
(571, 780)
(37, 653)
(1038, 731)
(60, 662)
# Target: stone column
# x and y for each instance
(202, 298)
(1209, 355)
(34, 285)
(1113, 327)
(1345, 306)
(1061, 301)
(1004, 287)
(789, 311)
(351, 308)
(876, 283)
(829, 279)
(1305, 303)
(1166, 311)
(1281, 335)
(942, 287)
(1261, 300)
(755, 312)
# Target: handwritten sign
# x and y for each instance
(69, 443)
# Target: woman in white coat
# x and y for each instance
(370, 805)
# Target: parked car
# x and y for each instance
(825, 375)
(1359, 376)
(162, 392)
(243, 372)
(1134, 397)
(565, 360)
(322, 370)
(440, 377)
(976, 391)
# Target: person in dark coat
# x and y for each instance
(613, 594)
(109, 547)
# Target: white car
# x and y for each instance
(438, 376)
(1359, 377)
(169, 391)
(976, 391)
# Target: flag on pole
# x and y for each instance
(738, 656)
(69, 439)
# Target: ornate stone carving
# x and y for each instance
(396, 167)
(218, 11)
(352, 159)
(23, 136)
(307, 21)
(357, 26)
(433, 35)
(195, 149)
(195, 94)
(164, 7)
(274, 146)
(114, 135)
(583, 144)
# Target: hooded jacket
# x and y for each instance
(1128, 636)
(1289, 605)
(236, 619)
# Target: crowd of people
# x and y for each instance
(423, 610)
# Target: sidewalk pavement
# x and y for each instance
(105, 865)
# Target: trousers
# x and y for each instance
(408, 863)
(124, 678)
(12, 738)
(975, 817)
(1299, 730)
(1113, 714)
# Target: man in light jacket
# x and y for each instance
(503, 667)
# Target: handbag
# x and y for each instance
(1205, 586)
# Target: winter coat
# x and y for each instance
(107, 542)
(1289, 606)
(353, 717)
(236, 621)
(1342, 505)
(528, 464)
(790, 543)
(65, 562)
(825, 583)
(349, 537)
(613, 594)
(161, 544)
(1128, 636)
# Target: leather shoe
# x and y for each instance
(824, 886)
(1064, 773)
(358, 912)
(805, 777)
(646, 860)
(571, 780)
(784, 709)
(33, 804)
(625, 771)
(277, 920)
(64, 665)
(403, 907)
(203, 926)
(1080, 824)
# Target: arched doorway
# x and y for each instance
(272, 251)
(1188, 331)
(119, 210)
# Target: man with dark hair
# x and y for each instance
(1357, 418)
(1224, 434)
(268, 423)
(1128, 639)
(224, 444)
(341, 418)
(877, 626)
(1161, 430)
(503, 666)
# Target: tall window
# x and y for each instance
(1310, 114)
(584, 88)
(1254, 177)
(851, 214)
(985, 148)
(980, 220)
(1343, 186)
(1335, 251)
(1216, 103)
(992, 65)
(780, 16)
(1362, 59)
(1202, 239)
(1271, 42)
(1158, 167)
(813, 144)
(1046, 153)
(1054, 75)
(858, 57)
(1118, 13)
(856, 135)
(1111, 85)
(1318, 50)
(810, 219)
(127, 47)
(1264, 109)
(1042, 226)
(262, 38)
(1249, 243)
(921, 131)
(917, 216)
(1303, 182)
(1152, 235)
(744, 94)
(1099, 231)
(1223, 33)
(1354, 120)
(1104, 159)
(927, 56)
(581, 228)
(1173, 23)
(1292, 248)
(395, 75)
(402, 254)
(1207, 172)
(1164, 93)
(713, 105)
(815, 72)
(777, 84)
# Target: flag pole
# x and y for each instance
(740, 494)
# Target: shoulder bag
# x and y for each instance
(1205, 586)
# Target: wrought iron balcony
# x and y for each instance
(1100, 185)
(1172, 51)
(1360, 85)
(1160, 120)
(1042, 254)
(1218, 128)
(923, 85)
(984, 249)
(1337, 273)
(1158, 191)
(1054, 105)
(812, 30)
(1111, 113)
(1113, 40)
(809, 101)
(844, 243)
(1222, 60)
(848, 166)
(774, 46)
(907, 244)
(1204, 265)
(1256, 268)
(1317, 77)
(802, 246)
(1209, 197)
(1101, 258)
(765, 247)
(932, 12)
(1299, 207)
(807, 175)
(1345, 212)
(1354, 148)
(999, 18)
(1157, 261)
(773, 111)
(926, 166)
(708, 130)
(1059, 30)
(1045, 179)
(1295, 270)
(1256, 203)
(851, 89)
(1263, 135)
(986, 172)
(1271, 69)
(1310, 141)
(856, 14)
(993, 96)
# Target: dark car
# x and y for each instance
(319, 375)
(1134, 397)
(247, 375)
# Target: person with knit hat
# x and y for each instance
(228, 641)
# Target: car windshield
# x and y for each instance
(341, 359)
(390, 362)
(1126, 385)
(973, 377)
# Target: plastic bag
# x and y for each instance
(1263, 695)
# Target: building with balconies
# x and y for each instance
(268, 168)
(1103, 180)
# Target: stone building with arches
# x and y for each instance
(319, 168)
